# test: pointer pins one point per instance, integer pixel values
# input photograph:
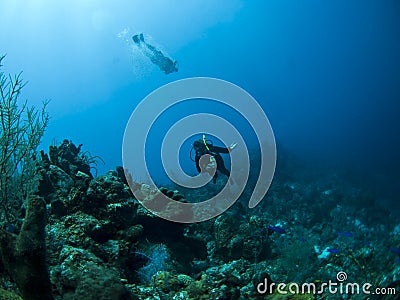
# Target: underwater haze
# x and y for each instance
(327, 73)
(320, 206)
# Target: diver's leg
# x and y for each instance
(153, 49)
(214, 180)
(197, 160)
(135, 39)
(221, 165)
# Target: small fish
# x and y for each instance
(395, 250)
(301, 239)
(348, 234)
(11, 228)
(277, 229)
(333, 250)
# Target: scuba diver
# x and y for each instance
(207, 163)
(166, 64)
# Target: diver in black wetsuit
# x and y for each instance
(207, 163)
(166, 64)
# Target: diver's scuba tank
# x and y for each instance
(207, 144)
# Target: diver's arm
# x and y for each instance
(219, 149)
(223, 149)
(197, 160)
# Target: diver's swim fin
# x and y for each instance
(137, 38)
(141, 37)
(233, 187)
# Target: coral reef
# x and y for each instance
(102, 243)
(24, 255)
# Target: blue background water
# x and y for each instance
(326, 73)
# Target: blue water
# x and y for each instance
(327, 74)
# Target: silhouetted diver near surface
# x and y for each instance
(166, 64)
